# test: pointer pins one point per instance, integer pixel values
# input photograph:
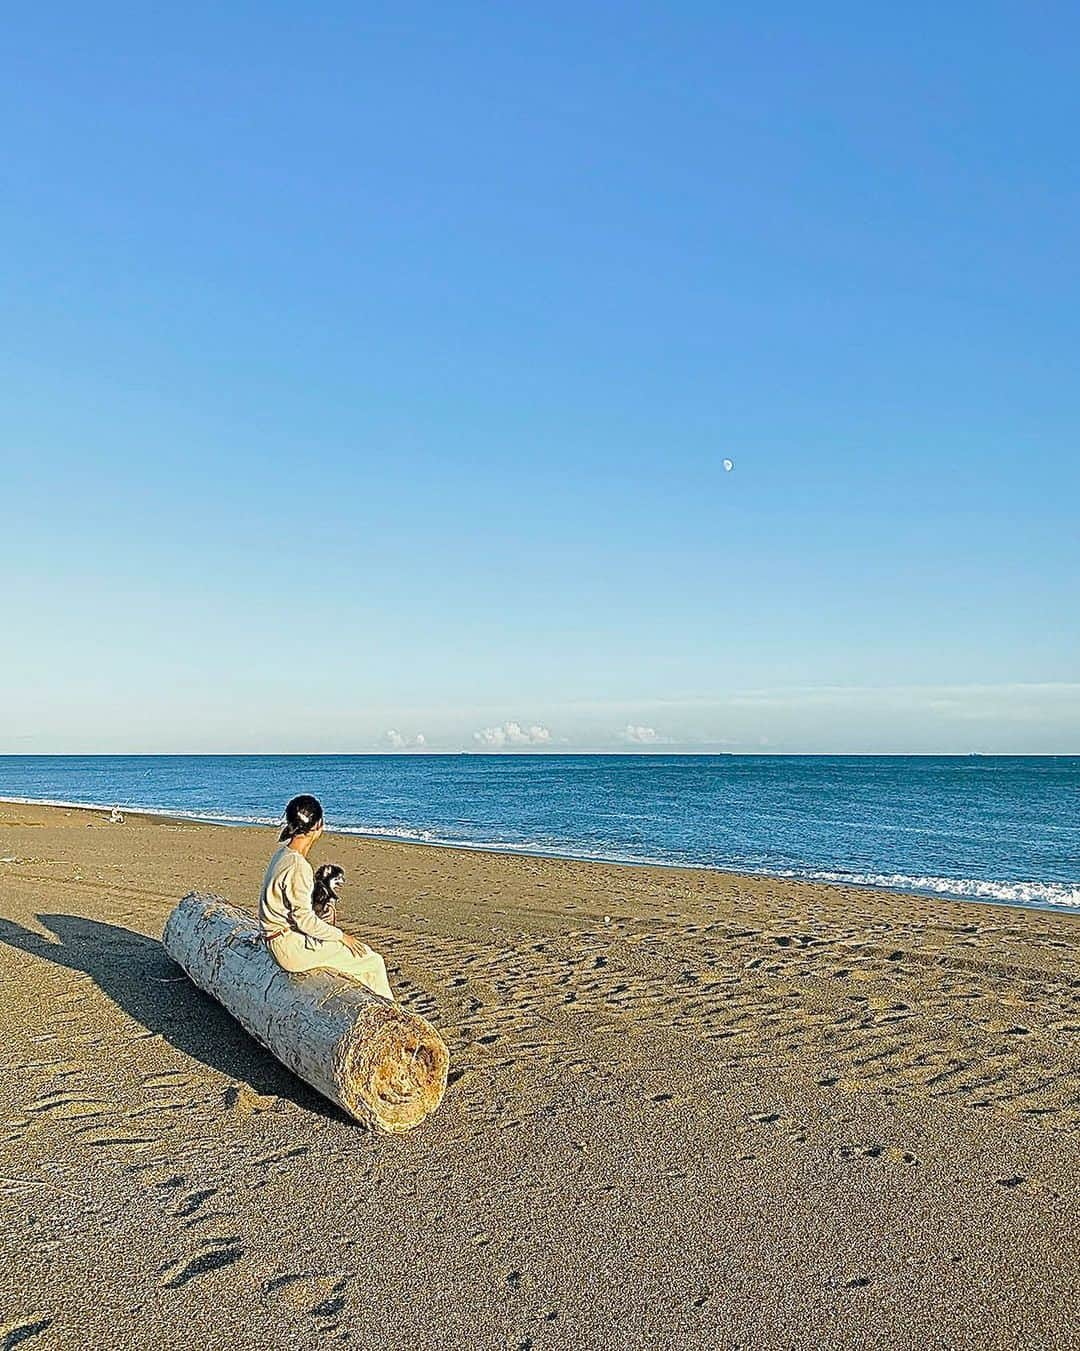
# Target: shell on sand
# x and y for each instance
(382, 1064)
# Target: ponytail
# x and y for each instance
(303, 815)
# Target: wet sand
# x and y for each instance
(686, 1109)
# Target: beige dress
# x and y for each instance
(297, 938)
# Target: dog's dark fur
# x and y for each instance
(324, 897)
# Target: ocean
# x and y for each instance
(984, 828)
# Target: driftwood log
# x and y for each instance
(384, 1065)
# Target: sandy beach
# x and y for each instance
(686, 1109)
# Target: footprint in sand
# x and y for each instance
(173, 1079)
(245, 1102)
(193, 1201)
(67, 1106)
(280, 1156)
(15, 1334)
(316, 1295)
(218, 1252)
(154, 1108)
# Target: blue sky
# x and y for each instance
(370, 369)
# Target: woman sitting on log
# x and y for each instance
(297, 938)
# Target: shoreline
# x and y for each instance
(512, 851)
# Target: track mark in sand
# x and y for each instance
(168, 1079)
(191, 1203)
(169, 1183)
(118, 1141)
(280, 1282)
(15, 1334)
(311, 1294)
(279, 1156)
(67, 1106)
(49, 1069)
(219, 1252)
(168, 1105)
(328, 1308)
(245, 1102)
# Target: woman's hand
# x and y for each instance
(354, 945)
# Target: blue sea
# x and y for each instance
(990, 828)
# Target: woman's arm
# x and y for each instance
(297, 890)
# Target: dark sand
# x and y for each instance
(743, 1113)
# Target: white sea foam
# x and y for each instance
(964, 888)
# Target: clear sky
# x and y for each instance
(369, 369)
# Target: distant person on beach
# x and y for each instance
(297, 938)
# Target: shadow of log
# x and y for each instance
(137, 975)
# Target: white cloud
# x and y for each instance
(404, 743)
(513, 734)
(639, 735)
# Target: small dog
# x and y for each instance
(324, 897)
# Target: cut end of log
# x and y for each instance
(393, 1075)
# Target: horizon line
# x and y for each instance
(654, 754)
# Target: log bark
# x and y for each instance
(382, 1064)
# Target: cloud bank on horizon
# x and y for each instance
(639, 735)
(899, 719)
(943, 719)
(512, 734)
(402, 743)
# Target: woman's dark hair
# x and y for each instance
(303, 814)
